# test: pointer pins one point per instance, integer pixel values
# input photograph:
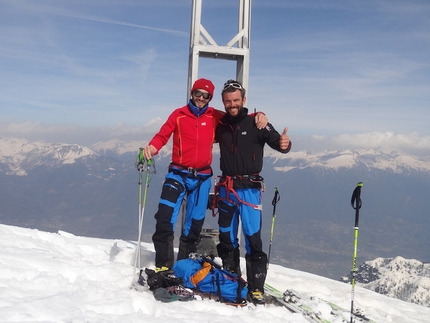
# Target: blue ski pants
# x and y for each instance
(231, 209)
(176, 186)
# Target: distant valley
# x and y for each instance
(93, 191)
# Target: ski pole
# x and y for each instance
(275, 201)
(356, 204)
(141, 162)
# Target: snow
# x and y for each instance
(20, 155)
(118, 146)
(406, 279)
(59, 277)
(396, 161)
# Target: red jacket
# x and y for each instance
(193, 136)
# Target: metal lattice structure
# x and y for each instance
(202, 45)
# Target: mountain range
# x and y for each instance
(93, 191)
(404, 279)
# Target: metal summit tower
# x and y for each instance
(203, 45)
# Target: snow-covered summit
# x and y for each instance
(405, 279)
(396, 161)
(22, 155)
(118, 146)
(60, 277)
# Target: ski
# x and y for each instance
(336, 310)
(291, 296)
(294, 307)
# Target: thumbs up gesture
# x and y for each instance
(284, 140)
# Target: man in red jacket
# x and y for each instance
(193, 128)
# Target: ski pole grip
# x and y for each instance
(140, 157)
(356, 196)
(140, 160)
(276, 198)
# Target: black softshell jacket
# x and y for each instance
(242, 144)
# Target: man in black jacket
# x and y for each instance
(240, 186)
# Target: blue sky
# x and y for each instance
(352, 73)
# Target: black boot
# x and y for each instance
(164, 252)
(186, 246)
(230, 259)
(256, 272)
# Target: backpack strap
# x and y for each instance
(241, 282)
(220, 298)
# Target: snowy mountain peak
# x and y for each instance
(117, 146)
(405, 279)
(17, 156)
(395, 161)
(20, 155)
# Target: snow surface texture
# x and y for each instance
(48, 277)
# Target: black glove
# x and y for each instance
(161, 279)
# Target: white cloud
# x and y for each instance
(320, 68)
(78, 134)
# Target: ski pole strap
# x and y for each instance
(356, 197)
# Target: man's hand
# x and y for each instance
(149, 151)
(260, 120)
(284, 141)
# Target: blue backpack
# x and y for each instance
(206, 276)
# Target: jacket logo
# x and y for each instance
(244, 133)
(203, 123)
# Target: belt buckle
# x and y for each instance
(192, 171)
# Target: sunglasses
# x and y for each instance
(198, 94)
(233, 85)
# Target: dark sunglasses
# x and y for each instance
(233, 85)
(198, 94)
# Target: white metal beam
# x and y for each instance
(203, 45)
